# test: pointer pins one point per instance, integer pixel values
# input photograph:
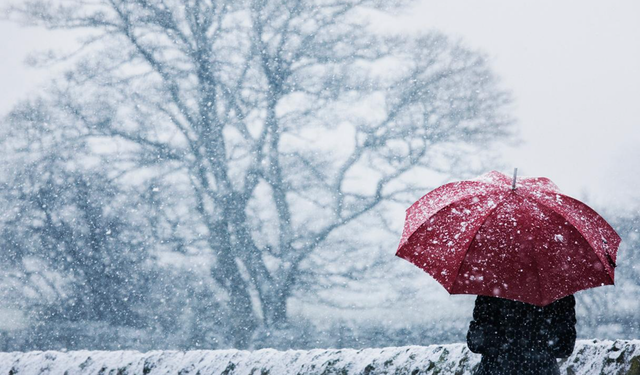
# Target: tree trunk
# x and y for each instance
(244, 322)
(227, 272)
(275, 309)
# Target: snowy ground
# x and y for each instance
(589, 357)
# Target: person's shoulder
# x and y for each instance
(491, 301)
(487, 299)
(570, 300)
(564, 302)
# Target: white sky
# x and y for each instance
(573, 67)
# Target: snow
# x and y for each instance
(177, 187)
(589, 357)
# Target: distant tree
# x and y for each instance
(274, 123)
(80, 252)
(70, 252)
(611, 311)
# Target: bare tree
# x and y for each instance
(263, 113)
(71, 254)
(611, 311)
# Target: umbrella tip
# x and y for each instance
(515, 173)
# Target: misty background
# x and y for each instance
(119, 229)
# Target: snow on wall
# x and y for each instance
(589, 357)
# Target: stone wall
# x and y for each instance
(589, 357)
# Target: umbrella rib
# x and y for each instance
(535, 200)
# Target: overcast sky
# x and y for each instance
(573, 67)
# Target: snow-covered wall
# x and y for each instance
(589, 357)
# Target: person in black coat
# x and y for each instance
(519, 338)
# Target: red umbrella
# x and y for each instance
(521, 240)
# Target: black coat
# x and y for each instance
(519, 338)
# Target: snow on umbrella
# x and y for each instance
(521, 240)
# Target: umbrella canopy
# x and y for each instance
(521, 240)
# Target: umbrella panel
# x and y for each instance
(440, 243)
